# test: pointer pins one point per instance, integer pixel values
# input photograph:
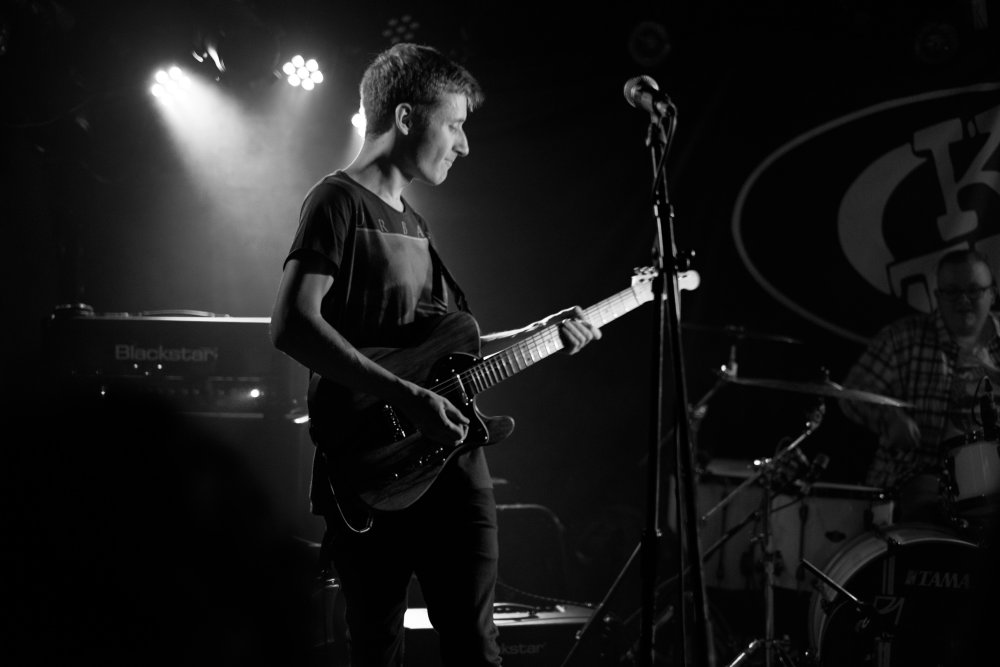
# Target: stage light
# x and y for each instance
(237, 45)
(169, 82)
(301, 72)
(359, 122)
(402, 29)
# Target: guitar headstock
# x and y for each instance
(642, 282)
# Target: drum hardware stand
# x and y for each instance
(771, 646)
(859, 606)
(870, 620)
(766, 467)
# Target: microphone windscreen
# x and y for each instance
(634, 86)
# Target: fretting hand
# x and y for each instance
(574, 329)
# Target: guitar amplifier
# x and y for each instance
(203, 364)
(528, 637)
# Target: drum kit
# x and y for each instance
(880, 593)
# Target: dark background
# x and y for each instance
(552, 207)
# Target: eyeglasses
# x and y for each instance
(973, 293)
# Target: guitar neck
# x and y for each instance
(512, 360)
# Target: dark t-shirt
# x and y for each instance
(383, 280)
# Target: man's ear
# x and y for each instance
(404, 117)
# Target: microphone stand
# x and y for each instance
(666, 289)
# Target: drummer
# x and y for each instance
(935, 362)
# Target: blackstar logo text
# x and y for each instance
(191, 355)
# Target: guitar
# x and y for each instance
(376, 456)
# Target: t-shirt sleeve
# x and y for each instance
(324, 223)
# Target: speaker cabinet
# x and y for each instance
(528, 637)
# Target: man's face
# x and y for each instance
(965, 295)
(439, 139)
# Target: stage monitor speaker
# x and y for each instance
(528, 637)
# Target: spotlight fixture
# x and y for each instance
(303, 73)
(401, 29)
(235, 46)
(169, 82)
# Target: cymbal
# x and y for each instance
(740, 332)
(827, 388)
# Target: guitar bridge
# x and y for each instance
(461, 390)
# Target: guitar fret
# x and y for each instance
(534, 348)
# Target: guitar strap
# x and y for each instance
(460, 299)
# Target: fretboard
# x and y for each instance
(530, 350)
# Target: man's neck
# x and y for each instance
(375, 169)
(979, 338)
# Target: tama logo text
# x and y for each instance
(194, 355)
(935, 579)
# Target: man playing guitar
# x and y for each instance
(362, 278)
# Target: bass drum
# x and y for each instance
(918, 580)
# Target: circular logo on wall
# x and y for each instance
(845, 223)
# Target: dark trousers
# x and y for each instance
(448, 539)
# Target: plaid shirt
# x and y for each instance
(912, 360)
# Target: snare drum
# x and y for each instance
(971, 475)
(919, 580)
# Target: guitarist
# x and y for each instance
(361, 272)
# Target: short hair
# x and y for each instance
(964, 256)
(416, 74)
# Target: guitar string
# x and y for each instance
(490, 371)
(491, 365)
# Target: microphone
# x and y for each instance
(816, 470)
(988, 411)
(643, 92)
